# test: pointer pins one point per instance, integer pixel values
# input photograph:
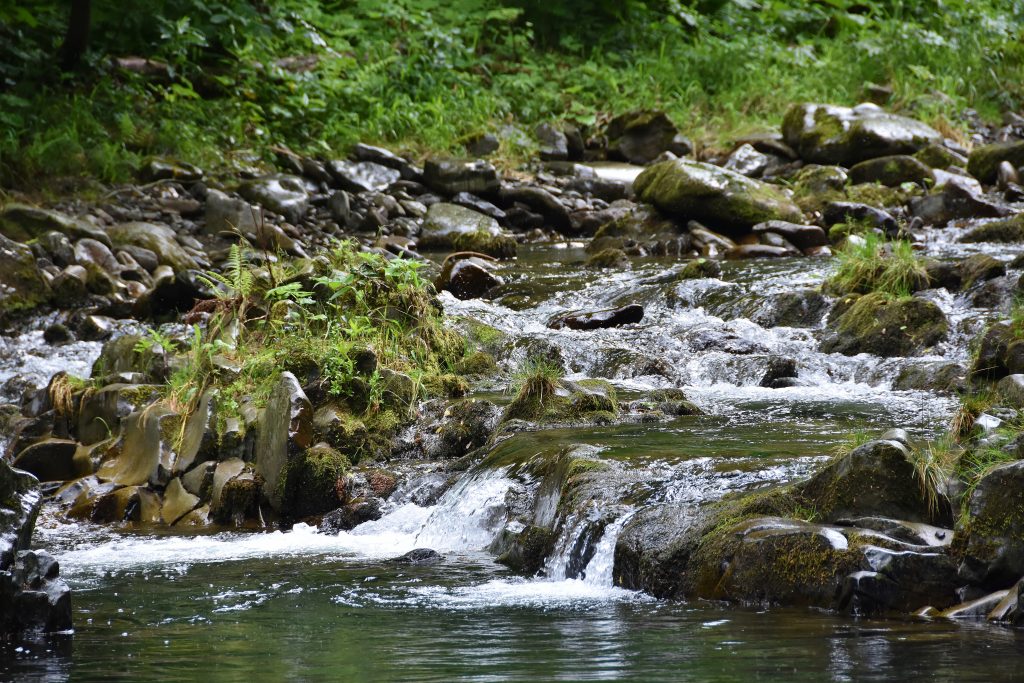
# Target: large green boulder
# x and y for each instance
(695, 190)
(884, 326)
(984, 161)
(827, 134)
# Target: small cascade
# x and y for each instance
(586, 549)
(599, 570)
(469, 515)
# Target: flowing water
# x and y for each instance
(303, 605)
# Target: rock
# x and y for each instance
(898, 581)
(285, 432)
(816, 180)
(938, 376)
(1011, 390)
(954, 200)
(21, 223)
(801, 236)
(479, 205)
(745, 251)
(552, 142)
(989, 362)
(52, 460)
(877, 324)
(983, 162)
(147, 453)
(541, 201)
(993, 555)
(285, 195)
(609, 258)
(420, 556)
(640, 136)
(780, 373)
(449, 177)
(160, 239)
(177, 502)
(701, 268)
(483, 145)
(615, 317)
(940, 157)
(843, 212)
(467, 278)
(350, 516)
(19, 506)
(32, 596)
(979, 268)
(21, 284)
(57, 334)
(747, 161)
(70, 285)
(827, 134)
(229, 214)
(1009, 230)
(363, 176)
(892, 171)
(446, 222)
(463, 427)
(693, 189)
(159, 169)
(1006, 176)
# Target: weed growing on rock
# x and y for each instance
(875, 265)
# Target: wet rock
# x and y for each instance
(780, 373)
(843, 212)
(285, 432)
(639, 137)
(801, 236)
(899, 581)
(876, 479)
(615, 317)
(420, 556)
(747, 161)
(701, 268)
(21, 284)
(654, 548)
(979, 268)
(804, 308)
(983, 162)
(827, 134)
(21, 223)
(363, 176)
(449, 177)
(19, 505)
(177, 502)
(468, 278)
(877, 324)
(989, 362)
(693, 189)
(52, 460)
(939, 376)
(57, 334)
(954, 200)
(353, 514)
(940, 157)
(1006, 176)
(229, 214)
(553, 143)
(464, 426)
(159, 169)
(892, 171)
(285, 195)
(745, 251)
(1011, 390)
(160, 239)
(147, 454)
(993, 555)
(609, 258)
(58, 247)
(540, 201)
(446, 222)
(814, 179)
(1009, 230)
(32, 596)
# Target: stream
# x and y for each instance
(306, 605)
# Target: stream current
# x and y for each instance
(305, 605)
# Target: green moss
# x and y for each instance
(499, 246)
(310, 483)
(608, 258)
(1009, 230)
(447, 384)
(477, 363)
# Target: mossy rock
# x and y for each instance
(993, 553)
(609, 258)
(21, 284)
(892, 171)
(937, 156)
(1006, 231)
(984, 161)
(310, 483)
(499, 246)
(590, 400)
(725, 199)
(477, 363)
(524, 552)
(884, 326)
(701, 268)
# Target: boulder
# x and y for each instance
(801, 236)
(449, 177)
(32, 596)
(225, 213)
(640, 137)
(956, 199)
(892, 171)
(445, 224)
(21, 283)
(351, 515)
(595, 320)
(470, 277)
(147, 452)
(52, 460)
(552, 143)
(696, 190)
(1008, 230)
(993, 555)
(983, 162)
(884, 326)
(747, 161)
(540, 201)
(363, 176)
(160, 239)
(827, 134)
(285, 195)
(21, 223)
(177, 502)
(285, 432)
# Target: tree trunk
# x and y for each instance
(76, 40)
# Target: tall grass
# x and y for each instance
(875, 265)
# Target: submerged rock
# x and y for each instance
(614, 317)
(693, 189)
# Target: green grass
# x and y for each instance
(934, 463)
(875, 265)
(536, 381)
(422, 75)
(850, 442)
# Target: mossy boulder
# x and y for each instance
(314, 482)
(993, 528)
(446, 223)
(884, 326)
(695, 190)
(640, 136)
(701, 268)
(21, 284)
(1008, 230)
(609, 258)
(565, 402)
(892, 171)
(828, 134)
(483, 242)
(983, 162)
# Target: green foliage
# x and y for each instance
(934, 463)
(536, 380)
(874, 265)
(243, 77)
(850, 442)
